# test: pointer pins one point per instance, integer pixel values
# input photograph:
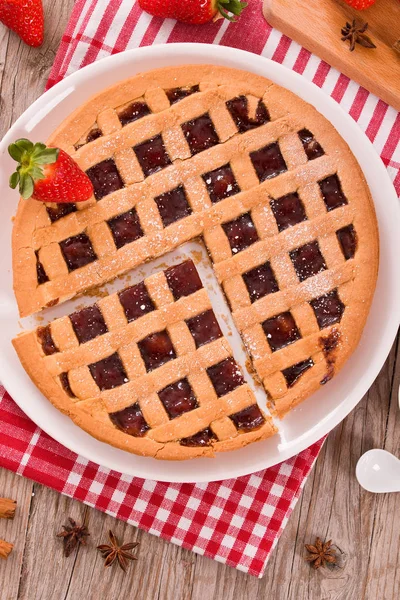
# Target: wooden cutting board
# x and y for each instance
(316, 25)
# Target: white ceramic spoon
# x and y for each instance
(378, 471)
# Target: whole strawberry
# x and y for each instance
(360, 4)
(48, 174)
(194, 11)
(25, 17)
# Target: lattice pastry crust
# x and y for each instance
(269, 184)
(148, 370)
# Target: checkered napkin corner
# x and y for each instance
(236, 521)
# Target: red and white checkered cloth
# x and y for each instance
(239, 521)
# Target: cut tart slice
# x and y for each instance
(148, 370)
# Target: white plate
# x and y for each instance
(317, 415)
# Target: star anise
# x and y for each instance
(114, 552)
(73, 535)
(355, 33)
(320, 553)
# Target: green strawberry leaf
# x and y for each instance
(37, 173)
(46, 156)
(26, 186)
(226, 15)
(234, 7)
(14, 180)
(24, 144)
(15, 152)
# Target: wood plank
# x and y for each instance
(383, 573)
(14, 532)
(46, 571)
(143, 578)
(316, 25)
(26, 70)
(4, 37)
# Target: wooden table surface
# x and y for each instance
(364, 526)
